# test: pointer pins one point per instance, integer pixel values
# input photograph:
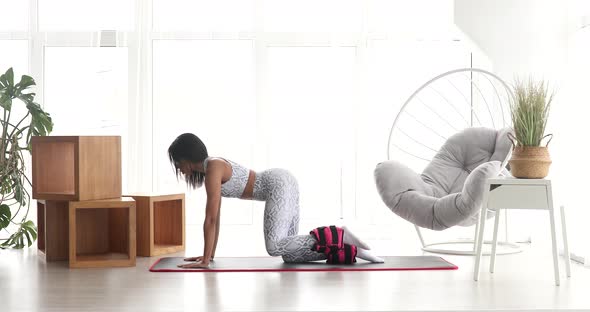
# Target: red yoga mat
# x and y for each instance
(276, 264)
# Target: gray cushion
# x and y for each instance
(450, 190)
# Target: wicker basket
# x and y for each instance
(530, 162)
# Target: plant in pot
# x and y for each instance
(530, 111)
(15, 142)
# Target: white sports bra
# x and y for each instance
(234, 187)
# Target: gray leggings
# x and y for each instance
(278, 187)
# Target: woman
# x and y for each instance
(277, 187)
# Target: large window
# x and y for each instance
(411, 19)
(14, 16)
(86, 93)
(15, 54)
(304, 16)
(310, 86)
(76, 15)
(86, 89)
(309, 127)
(205, 87)
(203, 15)
(386, 92)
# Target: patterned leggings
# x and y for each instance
(278, 187)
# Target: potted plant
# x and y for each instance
(529, 111)
(16, 137)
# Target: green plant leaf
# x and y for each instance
(13, 184)
(5, 216)
(30, 231)
(7, 79)
(6, 187)
(25, 82)
(26, 230)
(28, 97)
(11, 241)
(31, 228)
(6, 102)
(29, 240)
(18, 191)
(41, 123)
(10, 77)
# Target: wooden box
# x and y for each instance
(53, 230)
(160, 224)
(76, 168)
(102, 233)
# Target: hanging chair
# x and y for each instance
(448, 138)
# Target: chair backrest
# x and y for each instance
(461, 155)
(443, 106)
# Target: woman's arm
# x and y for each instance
(216, 230)
(200, 258)
(213, 178)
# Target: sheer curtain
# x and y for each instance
(140, 148)
(311, 86)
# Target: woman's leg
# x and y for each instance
(281, 221)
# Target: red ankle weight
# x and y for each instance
(328, 238)
(330, 242)
(346, 255)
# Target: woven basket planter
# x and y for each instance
(530, 162)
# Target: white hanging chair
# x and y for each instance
(466, 104)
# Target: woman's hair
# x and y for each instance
(188, 147)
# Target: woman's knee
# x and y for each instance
(272, 249)
(290, 259)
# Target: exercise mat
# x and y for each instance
(276, 264)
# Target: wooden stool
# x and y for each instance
(76, 167)
(53, 229)
(160, 224)
(102, 233)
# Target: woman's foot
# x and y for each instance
(351, 239)
(366, 255)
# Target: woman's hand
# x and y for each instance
(196, 265)
(198, 259)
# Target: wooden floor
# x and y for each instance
(521, 281)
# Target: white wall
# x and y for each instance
(542, 38)
(520, 36)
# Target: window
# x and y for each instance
(15, 54)
(86, 15)
(14, 15)
(203, 15)
(205, 87)
(422, 18)
(86, 92)
(310, 86)
(395, 71)
(312, 16)
(310, 132)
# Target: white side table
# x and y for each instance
(512, 193)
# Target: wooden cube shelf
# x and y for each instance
(102, 233)
(160, 224)
(52, 229)
(76, 168)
